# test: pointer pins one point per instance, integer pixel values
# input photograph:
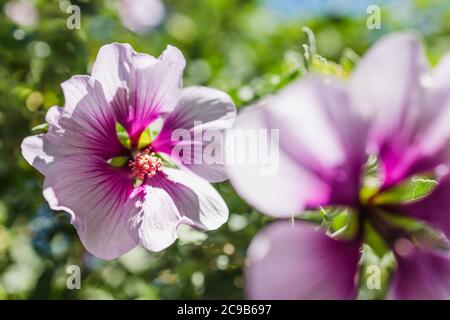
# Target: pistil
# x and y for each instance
(145, 164)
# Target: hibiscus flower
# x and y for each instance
(122, 194)
(392, 108)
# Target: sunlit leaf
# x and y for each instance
(122, 134)
(408, 191)
(42, 128)
(118, 161)
(374, 240)
(145, 139)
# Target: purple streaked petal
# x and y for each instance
(154, 225)
(87, 124)
(197, 200)
(300, 262)
(433, 140)
(313, 117)
(171, 198)
(200, 112)
(277, 186)
(96, 197)
(388, 87)
(139, 86)
(421, 274)
(320, 154)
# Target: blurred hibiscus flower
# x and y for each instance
(394, 109)
(141, 16)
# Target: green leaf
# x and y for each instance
(118, 161)
(375, 240)
(344, 224)
(338, 221)
(323, 66)
(401, 221)
(349, 60)
(411, 190)
(42, 128)
(313, 216)
(418, 230)
(122, 134)
(145, 139)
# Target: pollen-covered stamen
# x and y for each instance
(145, 164)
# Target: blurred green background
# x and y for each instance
(246, 48)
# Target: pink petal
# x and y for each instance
(314, 117)
(138, 86)
(433, 140)
(389, 87)
(171, 198)
(155, 224)
(198, 201)
(202, 115)
(320, 155)
(300, 262)
(87, 124)
(421, 274)
(277, 186)
(53, 115)
(42, 150)
(96, 196)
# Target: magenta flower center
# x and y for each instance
(145, 164)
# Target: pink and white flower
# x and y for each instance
(393, 107)
(141, 16)
(22, 12)
(111, 212)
